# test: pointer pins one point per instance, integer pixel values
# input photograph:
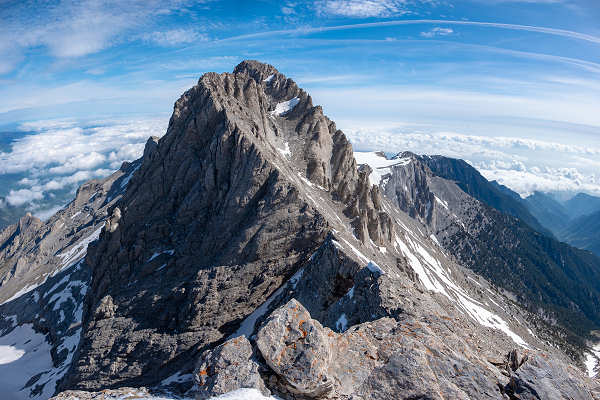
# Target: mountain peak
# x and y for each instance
(258, 70)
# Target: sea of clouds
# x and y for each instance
(42, 169)
(52, 158)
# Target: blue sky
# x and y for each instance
(512, 86)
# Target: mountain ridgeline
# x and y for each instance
(559, 283)
(251, 250)
(475, 185)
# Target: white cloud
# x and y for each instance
(175, 37)
(70, 28)
(516, 27)
(427, 103)
(361, 8)
(79, 162)
(64, 150)
(22, 196)
(63, 154)
(437, 31)
(526, 181)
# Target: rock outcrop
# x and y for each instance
(298, 349)
(404, 359)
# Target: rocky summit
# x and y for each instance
(252, 254)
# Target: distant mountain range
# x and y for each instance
(477, 224)
(576, 221)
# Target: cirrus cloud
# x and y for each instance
(437, 31)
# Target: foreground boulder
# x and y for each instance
(227, 367)
(298, 349)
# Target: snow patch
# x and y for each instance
(286, 150)
(126, 180)
(169, 252)
(442, 202)
(374, 268)
(286, 106)
(355, 250)
(21, 292)
(269, 78)
(78, 251)
(23, 354)
(9, 354)
(243, 394)
(350, 293)
(247, 326)
(592, 359)
(161, 267)
(380, 165)
(435, 278)
(309, 183)
(177, 378)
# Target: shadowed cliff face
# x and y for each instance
(217, 217)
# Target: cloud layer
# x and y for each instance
(57, 156)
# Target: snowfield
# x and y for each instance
(24, 353)
(380, 165)
(286, 106)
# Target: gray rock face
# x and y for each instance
(297, 348)
(227, 367)
(537, 376)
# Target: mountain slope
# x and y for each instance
(582, 204)
(475, 185)
(575, 222)
(584, 233)
(552, 279)
(44, 280)
(548, 211)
